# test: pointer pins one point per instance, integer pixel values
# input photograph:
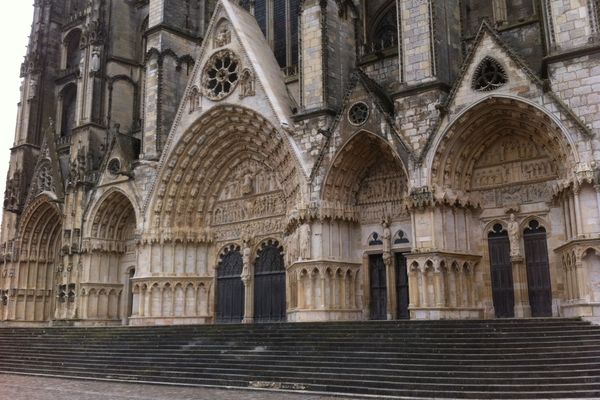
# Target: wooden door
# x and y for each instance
(378, 287)
(269, 284)
(538, 270)
(230, 288)
(402, 300)
(501, 272)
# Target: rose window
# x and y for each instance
(221, 75)
(358, 114)
(114, 166)
(489, 75)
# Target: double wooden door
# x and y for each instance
(379, 287)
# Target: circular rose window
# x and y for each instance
(114, 166)
(358, 114)
(221, 75)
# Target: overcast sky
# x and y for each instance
(14, 31)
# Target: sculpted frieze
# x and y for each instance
(257, 207)
(517, 194)
(258, 228)
(512, 161)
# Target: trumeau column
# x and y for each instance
(388, 261)
(521, 290)
(522, 307)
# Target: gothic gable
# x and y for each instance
(235, 66)
(366, 108)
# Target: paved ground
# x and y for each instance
(20, 387)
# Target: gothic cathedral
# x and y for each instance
(203, 161)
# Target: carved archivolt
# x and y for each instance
(40, 231)
(232, 157)
(499, 145)
(112, 225)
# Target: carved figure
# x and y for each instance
(246, 84)
(95, 63)
(246, 258)
(247, 184)
(514, 237)
(33, 85)
(223, 36)
(305, 236)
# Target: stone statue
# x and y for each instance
(386, 237)
(514, 237)
(246, 259)
(387, 243)
(223, 36)
(247, 184)
(305, 239)
(95, 63)
(246, 84)
(33, 85)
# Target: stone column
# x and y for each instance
(597, 188)
(574, 227)
(581, 274)
(579, 223)
(413, 286)
(438, 284)
(522, 307)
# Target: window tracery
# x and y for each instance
(358, 114)
(489, 75)
(221, 75)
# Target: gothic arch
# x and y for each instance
(383, 26)
(196, 168)
(39, 239)
(483, 125)
(114, 209)
(365, 157)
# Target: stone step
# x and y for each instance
(504, 359)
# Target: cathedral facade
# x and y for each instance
(200, 161)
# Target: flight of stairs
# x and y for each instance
(494, 359)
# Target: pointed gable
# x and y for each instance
(235, 66)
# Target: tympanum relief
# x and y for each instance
(513, 171)
(381, 195)
(250, 202)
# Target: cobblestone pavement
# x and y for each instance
(21, 387)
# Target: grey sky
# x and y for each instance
(14, 31)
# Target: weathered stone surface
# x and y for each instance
(337, 134)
